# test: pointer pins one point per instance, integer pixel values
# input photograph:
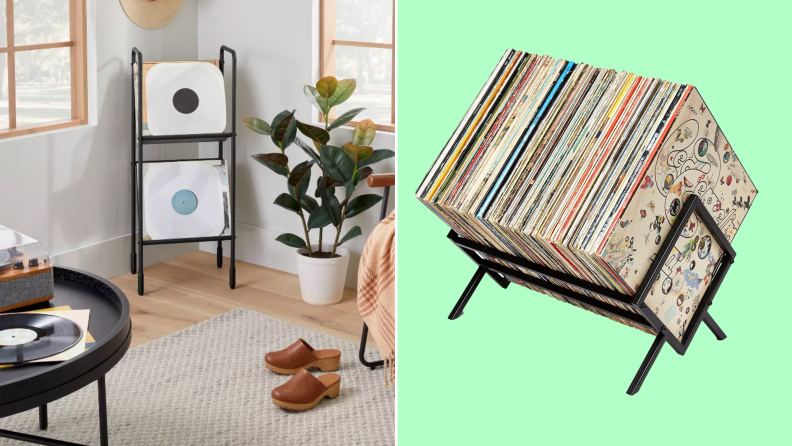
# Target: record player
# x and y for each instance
(26, 274)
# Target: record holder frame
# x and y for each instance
(139, 141)
(643, 315)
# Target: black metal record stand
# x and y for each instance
(139, 141)
(644, 316)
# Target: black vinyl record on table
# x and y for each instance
(26, 337)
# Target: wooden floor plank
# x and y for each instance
(190, 289)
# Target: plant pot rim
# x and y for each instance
(341, 251)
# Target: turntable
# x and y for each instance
(25, 271)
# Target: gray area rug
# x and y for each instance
(207, 385)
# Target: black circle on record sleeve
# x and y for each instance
(185, 101)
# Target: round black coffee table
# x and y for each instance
(33, 386)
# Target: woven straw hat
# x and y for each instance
(151, 14)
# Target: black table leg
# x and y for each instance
(635, 386)
(43, 417)
(469, 290)
(102, 413)
(714, 327)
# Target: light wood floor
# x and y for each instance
(189, 289)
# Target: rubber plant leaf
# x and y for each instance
(258, 126)
(286, 201)
(319, 218)
(349, 189)
(276, 122)
(361, 204)
(344, 118)
(344, 90)
(275, 161)
(326, 86)
(338, 165)
(308, 150)
(325, 182)
(308, 203)
(331, 205)
(313, 132)
(316, 99)
(362, 174)
(285, 130)
(377, 156)
(364, 133)
(354, 232)
(357, 153)
(291, 240)
(300, 178)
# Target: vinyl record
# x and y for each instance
(185, 98)
(26, 337)
(185, 200)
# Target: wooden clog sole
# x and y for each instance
(331, 392)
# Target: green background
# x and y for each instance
(521, 367)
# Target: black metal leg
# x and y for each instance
(232, 269)
(102, 413)
(220, 254)
(43, 417)
(139, 175)
(103, 437)
(500, 280)
(714, 327)
(471, 288)
(363, 338)
(646, 365)
(133, 266)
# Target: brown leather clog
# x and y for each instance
(304, 391)
(301, 355)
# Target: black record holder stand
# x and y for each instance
(644, 316)
(139, 142)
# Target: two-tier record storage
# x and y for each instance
(187, 200)
(614, 192)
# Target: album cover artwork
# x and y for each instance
(695, 158)
(185, 199)
(685, 276)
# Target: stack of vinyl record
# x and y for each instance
(583, 170)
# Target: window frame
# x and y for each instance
(78, 66)
(327, 55)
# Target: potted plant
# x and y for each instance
(322, 266)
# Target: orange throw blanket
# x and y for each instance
(377, 290)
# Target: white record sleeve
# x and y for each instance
(185, 98)
(185, 199)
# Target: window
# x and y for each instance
(357, 40)
(42, 61)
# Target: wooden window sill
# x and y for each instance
(39, 128)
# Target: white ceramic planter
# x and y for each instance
(322, 280)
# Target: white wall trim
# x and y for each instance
(257, 245)
(111, 258)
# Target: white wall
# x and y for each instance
(71, 189)
(276, 42)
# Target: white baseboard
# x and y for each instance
(111, 258)
(257, 245)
